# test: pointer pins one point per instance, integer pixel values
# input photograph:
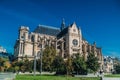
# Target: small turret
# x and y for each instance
(23, 33)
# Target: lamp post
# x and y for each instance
(35, 65)
(41, 62)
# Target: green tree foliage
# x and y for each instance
(117, 69)
(48, 57)
(68, 64)
(28, 65)
(38, 64)
(15, 64)
(116, 61)
(4, 64)
(79, 64)
(23, 68)
(116, 65)
(30, 69)
(16, 68)
(24, 65)
(92, 62)
(59, 65)
(1, 61)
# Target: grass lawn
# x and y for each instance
(113, 75)
(45, 77)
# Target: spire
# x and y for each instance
(74, 22)
(94, 43)
(63, 21)
(62, 24)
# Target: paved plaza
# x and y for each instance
(7, 76)
(11, 76)
(111, 78)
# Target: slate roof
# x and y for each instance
(63, 32)
(48, 30)
(53, 31)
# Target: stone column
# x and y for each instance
(26, 36)
(20, 49)
(89, 47)
(35, 45)
(24, 48)
(56, 44)
(84, 51)
(35, 49)
(62, 48)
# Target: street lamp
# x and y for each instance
(41, 62)
(36, 57)
(35, 65)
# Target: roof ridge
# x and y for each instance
(49, 30)
(48, 26)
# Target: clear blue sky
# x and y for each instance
(98, 19)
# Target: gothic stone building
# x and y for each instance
(67, 41)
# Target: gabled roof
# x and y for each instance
(48, 30)
(63, 32)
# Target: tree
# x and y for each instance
(92, 62)
(117, 69)
(1, 69)
(68, 64)
(16, 68)
(22, 65)
(23, 68)
(79, 64)
(59, 65)
(30, 66)
(27, 64)
(116, 65)
(1, 64)
(6, 65)
(1, 61)
(48, 57)
(38, 64)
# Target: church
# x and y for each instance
(67, 40)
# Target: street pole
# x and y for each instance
(34, 65)
(41, 63)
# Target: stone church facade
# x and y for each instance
(67, 41)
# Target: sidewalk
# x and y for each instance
(7, 76)
(106, 78)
